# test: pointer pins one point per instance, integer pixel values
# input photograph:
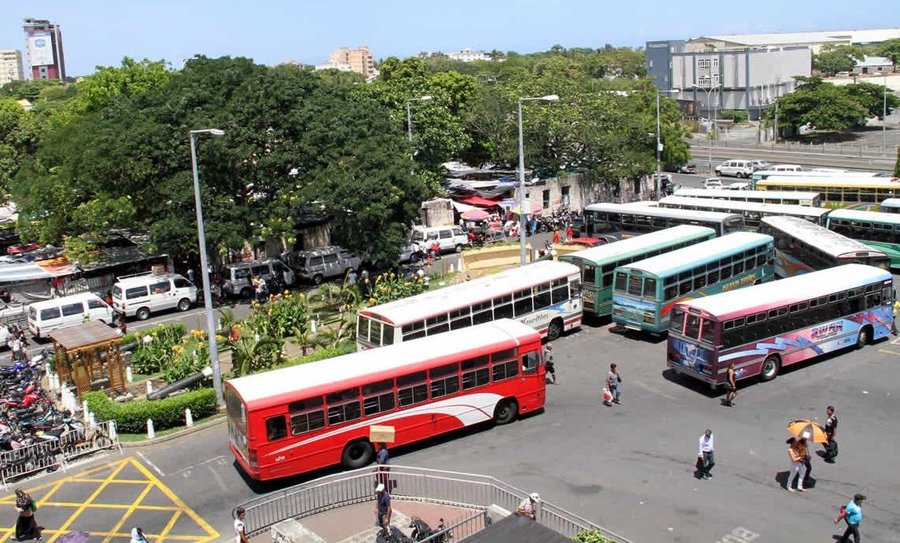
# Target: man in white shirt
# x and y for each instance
(528, 506)
(706, 456)
(240, 536)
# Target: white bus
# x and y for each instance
(753, 212)
(803, 247)
(545, 295)
(619, 221)
(890, 205)
(811, 199)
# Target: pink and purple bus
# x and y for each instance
(766, 327)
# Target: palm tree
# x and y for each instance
(332, 336)
(227, 320)
(252, 353)
(304, 338)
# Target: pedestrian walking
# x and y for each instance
(852, 513)
(730, 386)
(190, 275)
(15, 346)
(556, 237)
(798, 466)
(382, 460)
(383, 508)
(548, 361)
(614, 384)
(570, 233)
(706, 455)
(831, 446)
(26, 524)
(240, 535)
(137, 535)
(528, 507)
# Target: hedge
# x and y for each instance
(131, 417)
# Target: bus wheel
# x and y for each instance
(863, 338)
(769, 368)
(555, 329)
(506, 411)
(357, 454)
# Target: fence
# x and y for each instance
(51, 455)
(419, 484)
(461, 530)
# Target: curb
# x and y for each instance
(174, 435)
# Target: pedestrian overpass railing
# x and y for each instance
(408, 483)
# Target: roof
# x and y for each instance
(649, 210)
(627, 246)
(478, 201)
(730, 206)
(741, 194)
(146, 278)
(862, 182)
(812, 234)
(873, 61)
(263, 389)
(868, 216)
(85, 336)
(787, 291)
(517, 529)
(674, 261)
(799, 38)
(442, 300)
(891, 202)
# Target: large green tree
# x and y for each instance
(824, 106)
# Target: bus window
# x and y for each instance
(460, 318)
(542, 296)
(437, 324)
(677, 321)
(692, 327)
(649, 287)
(482, 313)
(444, 380)
(708, 332)
(378, 397)
(343, 406)
(621, 280)
(505, 365)
(475, 372)
(588, 274)
(306, 415)
(560, 292)
(530, 362)
(634, 285)
(388, 335)
(412, 389)
(523, 303)
(276, 428)
(503, 307)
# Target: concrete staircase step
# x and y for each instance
(398, 519)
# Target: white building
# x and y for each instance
(814, 40)
(11, 68)
(334, 65)
(468, 55)
(873, 65)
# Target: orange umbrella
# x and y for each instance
(809, 429)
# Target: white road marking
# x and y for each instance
(739, 535)
(151, 464)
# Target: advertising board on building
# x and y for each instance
(40, 49)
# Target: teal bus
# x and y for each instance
(890, 205)
(880, 231)
(753, 212)
(597, 264)
(645, 292)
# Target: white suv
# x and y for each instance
(712, 183)
(450, 238)
(736, 168)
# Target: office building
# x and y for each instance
(11, 66)
(814, 40)
(359, 60)
(44, 49)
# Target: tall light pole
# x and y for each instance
(659, 146)
(883, 113)
(204, 267)
(409, 102)
(708, 90)
(547, 98)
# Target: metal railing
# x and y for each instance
(409, 483)
(51, 455)
(469, 526)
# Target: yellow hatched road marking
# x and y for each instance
(88, 501)
(134, 505)
(169, 525)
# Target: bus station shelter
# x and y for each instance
(87, 353)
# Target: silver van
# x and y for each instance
(322, 263)
(49, 315)
(140, 295)
(238, 276)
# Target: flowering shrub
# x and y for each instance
(280, 316)
(154, 347)
(392, 286)
(187, 357)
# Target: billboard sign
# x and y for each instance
(40, 49)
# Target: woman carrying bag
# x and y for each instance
(26, 525)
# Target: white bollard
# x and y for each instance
(112, 431)
(91, 420)
(150, 433)
(84, 408)
(312, 324)
(129, 375)
(149, 386)
(188, 417)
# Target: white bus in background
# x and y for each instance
(753, 212)
(890, 205)
(545, 295)
(618, 221)
(811, 199)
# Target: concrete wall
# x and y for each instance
(569, 188)
(437, 212)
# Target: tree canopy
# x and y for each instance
(824, 106)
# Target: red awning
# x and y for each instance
(479, 201)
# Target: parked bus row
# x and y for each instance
(841, 190)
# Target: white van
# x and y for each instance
(450, 238)
(736, 168)
(47, 316)
(150, 293)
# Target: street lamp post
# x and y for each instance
(409, 125)
(659, 146)
(547, 98)
(204, 267)
(883, 113)
(708, 106)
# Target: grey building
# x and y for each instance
(748, 79)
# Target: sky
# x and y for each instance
(102, 32)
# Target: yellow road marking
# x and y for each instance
(88, 501)
(169, 525)
(115, 505)
(888, 352)
(134, 505)
(117, 481)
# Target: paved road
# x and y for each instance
(630, 467)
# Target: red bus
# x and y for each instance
(306, 417)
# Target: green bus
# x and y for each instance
(598, 263)
(878, 230)
(645, 292)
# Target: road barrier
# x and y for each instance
(411, 484)
(51, 455)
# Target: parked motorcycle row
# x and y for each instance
(33, 432)
(421, 531)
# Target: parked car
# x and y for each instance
(237, 276)
(316, 265)
(449, 238)
(688, 168)
(49, 315)
(712, 183)
(587, 242)
(738, 186)
(735, 168)
(760, 165)
(141, 295)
